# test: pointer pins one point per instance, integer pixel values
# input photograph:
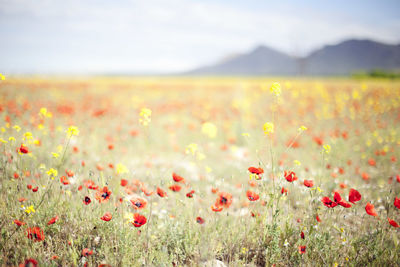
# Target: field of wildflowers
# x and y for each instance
(199, 172)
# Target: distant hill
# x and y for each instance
(340, 59)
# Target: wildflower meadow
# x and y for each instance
(182, 171)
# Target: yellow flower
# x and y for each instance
(2, 77)
(296, 162)
(3, 141)
(121, 168)
(145, 116)
(55, 155)
(246, 134)
(327, 149)
(28, 135)
(302, 128)
(129, 217)
(30, 209)
(17, 128)
(43, 112)
(191, 148)
(201, 156)
(209, 129)
(52, 173)
(268, 128)
(72, 130)
(276, 89)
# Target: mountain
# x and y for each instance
(262, 60)
(340, 59)
(353, 55)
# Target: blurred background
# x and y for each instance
(193, 37)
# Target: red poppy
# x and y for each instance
(370, 209)
(309, 183)
(64, 180)
(318, 219)
(338, 199)
(16, 175)
(328, 202)
(52, 220)
(175, 188)
(103, 195)
(354, 196)
(224, 200)
(398, 178)
(161, 192)
(344, 204)
(35, 233)
(99, 167)
(124, 182)
(19, 223)
(23, 149)
(138, 203)
(87, 200)
(255, 170)
(290, 176)
(302, 249)
(200, 220)
(365, 176)
(69, 173)
(106, 217)
(393, 223)
(86, 252)
(397, 202)
(29, 186)
(90, 185)
(252, 196)
(146, 192)
(318, 140)
(190, 194)
(177, 178)
(284, 190)
(138, 220)
(35, 189)
(214, 190)
(29, 263)
(302, 235)
(216, 208)
(372, 162)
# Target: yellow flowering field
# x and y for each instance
(183, 171)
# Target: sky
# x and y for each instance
(167, 36)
